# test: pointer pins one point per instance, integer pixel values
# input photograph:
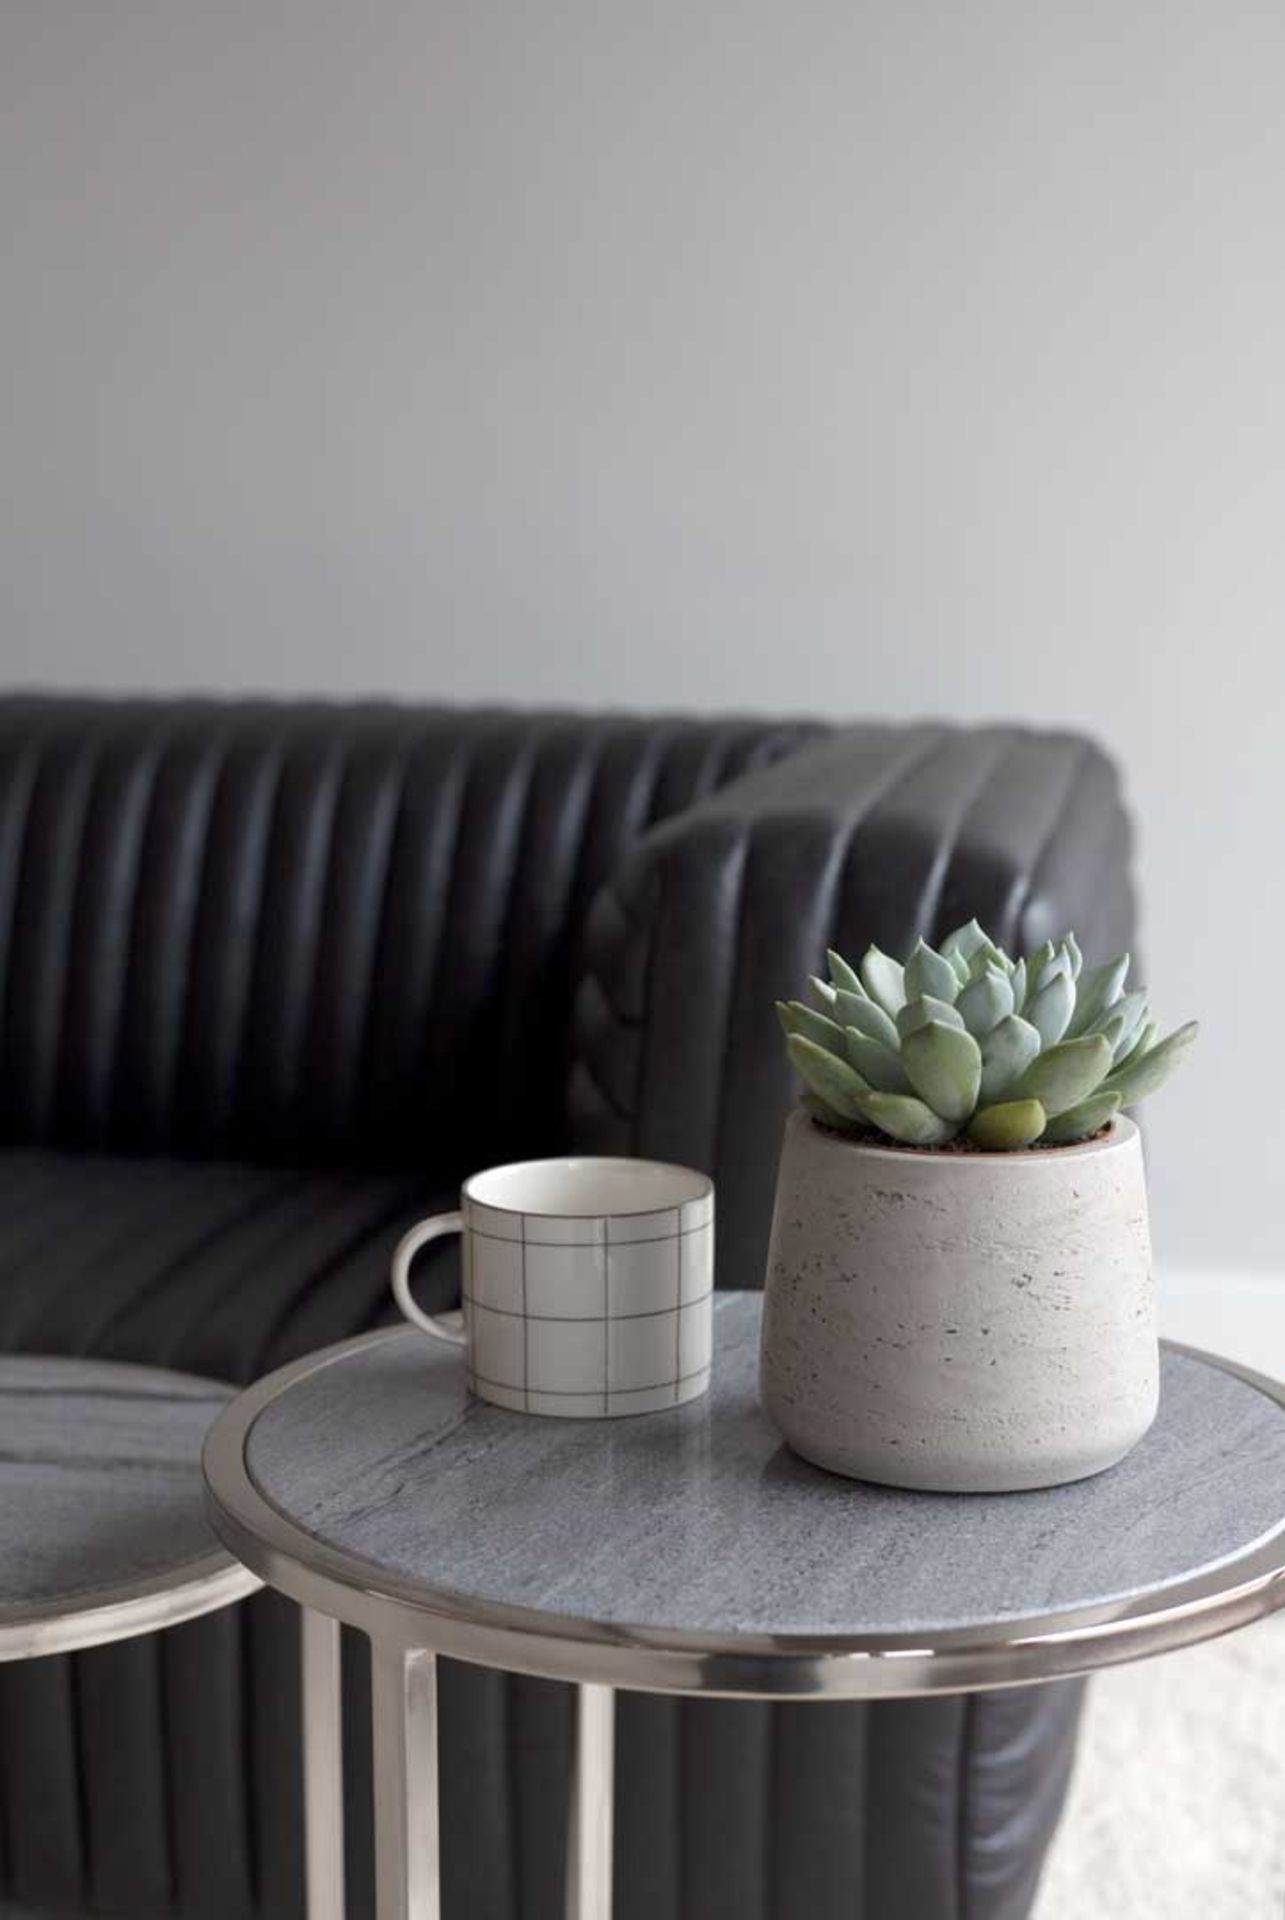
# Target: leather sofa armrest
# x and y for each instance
(876, 833)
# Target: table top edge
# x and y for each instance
(1033, 1648)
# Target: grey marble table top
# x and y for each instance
(700, 1521)
(103, 1528)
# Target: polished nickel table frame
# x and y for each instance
(409, 1625)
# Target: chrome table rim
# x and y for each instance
(148, 1605)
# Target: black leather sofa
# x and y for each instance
(274, 976)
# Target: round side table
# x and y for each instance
(690, 1552)
(103, 1531)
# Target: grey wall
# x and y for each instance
(924, 358)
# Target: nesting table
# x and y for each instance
(690, 1552)
(101, 1504)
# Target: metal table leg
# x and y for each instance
(589, 1841)
(407, 1855)
(323, 1767)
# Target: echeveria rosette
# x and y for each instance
(962, 1043)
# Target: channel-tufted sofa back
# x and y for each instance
(311, 932)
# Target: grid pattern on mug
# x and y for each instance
(616, 1319)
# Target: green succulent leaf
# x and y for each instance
(1072, 946)
(917, 1013)
(1060, 963)
(1098, 991)
(1019, 986)
(1064, 1075)
(1143, 1040)
(852, 1010)
(1147, 1072)
(796, 1018)
(965, 941)
(842, 974)
(817, 1107)
(988, 959)
(884, 980)
(822, 993)
(904, 1118)
(945, 1068)
(986, 1002)
(1007, 1051)
(1008, 1126)
(1051, 1009)
(930, 974)
(1111, 1027)
(1123, 1019)
(1035, 965)
(1082, 1121)
(880, 1066)
(833, 1081)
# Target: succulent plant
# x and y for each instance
(964, 1044)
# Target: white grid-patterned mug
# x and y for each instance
(588, 1285)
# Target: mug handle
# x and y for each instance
(403, 1254)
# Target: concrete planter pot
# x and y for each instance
(960, 1322)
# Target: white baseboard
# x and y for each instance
(1240, 1314)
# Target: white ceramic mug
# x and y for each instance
(588, 1285)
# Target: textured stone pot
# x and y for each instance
(964, 1322)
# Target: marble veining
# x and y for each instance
(100, 1479)
(700, 1520)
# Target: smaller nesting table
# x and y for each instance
(103, 1531)
(690, 1552)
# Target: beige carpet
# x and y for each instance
(1177, 1808)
